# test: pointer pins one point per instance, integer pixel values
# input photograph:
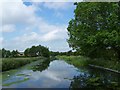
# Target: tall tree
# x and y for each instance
(95, 30)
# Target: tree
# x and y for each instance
(5, 53)
(0, 53)
(14, 53)
(37, 51)
(95, 30)
(26, 52)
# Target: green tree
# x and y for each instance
(37, 51)
(3, 53)
(26, 52)
(0, 53)
(14, 53)
(95, 30)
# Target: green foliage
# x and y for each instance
(37, 51)
(14, 53)
(6, 53)
(79, 61)
(68, 53)
(12, 63)
(97, 81)
(95, 30)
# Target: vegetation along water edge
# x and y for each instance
(79, 61)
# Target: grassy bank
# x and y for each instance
(78, 61)
(13, 63)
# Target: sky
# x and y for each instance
(25, 24)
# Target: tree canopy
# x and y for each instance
(37, 51)
(7, 53)
(95, 30)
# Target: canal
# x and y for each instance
(59, 74)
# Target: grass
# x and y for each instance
(78, 61)
(13, 63)
(112, 64)
(75, 60)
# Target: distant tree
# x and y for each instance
(8, 54)
(26, 52)
(45, 52)
(32, 51)
(14, 53)
(35, 51)
(69, 53)
(0, 53)
(3, 52)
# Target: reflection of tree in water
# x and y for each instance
(41, 66)
(96, 79)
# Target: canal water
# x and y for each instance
(59, 74)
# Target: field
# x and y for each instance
(12, 63)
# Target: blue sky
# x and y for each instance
(32, 23)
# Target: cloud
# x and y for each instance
(52, 34)
(57, 5)
(34, 38)
(17, 13)
(27, 38)
(34, 28)
(1, 41)
(8, 28)
(58, 14)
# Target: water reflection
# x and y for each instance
(41, 66)
(96, 79)
(59, 74)
(46, 74)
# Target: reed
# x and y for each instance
(13, 63)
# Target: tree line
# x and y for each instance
(33, 51)
(95, 30)
(7, 53)
(67, 53)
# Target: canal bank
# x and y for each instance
(78, 61)
(13, 63)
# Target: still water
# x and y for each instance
(58, 74)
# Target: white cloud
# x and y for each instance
(57, 5)
(27, 38)
(8, 28)
(50, 36)
(1, 42)
(16, 13)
